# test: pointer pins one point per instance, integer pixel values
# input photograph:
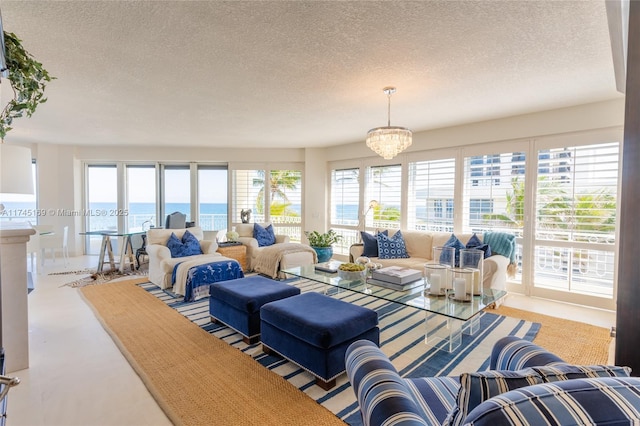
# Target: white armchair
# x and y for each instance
(245, 232)
(161, 263)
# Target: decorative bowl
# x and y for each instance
(352, 275)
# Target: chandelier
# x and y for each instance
(389, 141)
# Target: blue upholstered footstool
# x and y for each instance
(314, 331)
(237, 303)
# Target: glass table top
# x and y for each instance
(414, 297)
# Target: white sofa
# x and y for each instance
(420, 245)
(161, 263)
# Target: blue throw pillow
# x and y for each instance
(475, 388)
(191, 244)
(370, 243)
(265, 236)
(188, 246)
(392, 247)
(457, 245)
(475, 243)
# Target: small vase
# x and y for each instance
(324, 253)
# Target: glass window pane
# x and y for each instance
(285, 210)
(345, 193)
(102, 194)
(575, 202)
(212, 198)
(141, 197)
(383, 187)
(177, 191)
(248, 194)
(430, 197)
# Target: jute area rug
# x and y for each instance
(573, 341)
(171, 354)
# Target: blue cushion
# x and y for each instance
(191, 243)
(602, 401)
(249, 294)
(475, 243)
(265, 236)
(559, 372)
(319, 320)
(475, 388)
(370, 243)
(392, 247)
(454, 242)
(502, 243)
(188, 246)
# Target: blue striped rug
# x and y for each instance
(401, 338)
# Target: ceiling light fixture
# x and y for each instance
(389, 141)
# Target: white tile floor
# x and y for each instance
(77, 376)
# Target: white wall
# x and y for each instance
(60, 172)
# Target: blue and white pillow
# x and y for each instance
(265, 236)
(559, 372)
(476, 388)
(475, 243)
(457, 245)
(187, 246)
(392, 247)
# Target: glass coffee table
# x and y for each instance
(446, 319)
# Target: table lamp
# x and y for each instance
(15, 170)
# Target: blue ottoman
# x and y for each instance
(314, 331)
(237, 303)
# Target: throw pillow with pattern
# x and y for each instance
(265, 236)
(392, 247)
(476, 388)
(475, 243)
(457, 245)
(187, 246)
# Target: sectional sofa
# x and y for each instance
(420, 244)
(525, 385)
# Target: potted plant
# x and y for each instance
(27, 78)
(322, 243)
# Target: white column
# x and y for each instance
(14, 318)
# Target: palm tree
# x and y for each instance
(280, 181)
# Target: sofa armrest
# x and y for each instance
(514, 353)
(282, 239)
(159, 252)
(495, 272)
(208, 246)
(382, 394)
(355, 251)
(250, 242)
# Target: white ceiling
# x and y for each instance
(302, 73)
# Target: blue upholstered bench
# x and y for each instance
(237, 303)
(314, 331)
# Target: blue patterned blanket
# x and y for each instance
(200, 278)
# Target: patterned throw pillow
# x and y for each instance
(476, 388)
(188, 246)
(392, 247)
(265, 236)
(370, 243)
(475, 243)
(559, 372)
(457, 245)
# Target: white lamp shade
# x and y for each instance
(15, 170)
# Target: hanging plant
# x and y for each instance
(27, 78)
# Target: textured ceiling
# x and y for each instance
(303, 73)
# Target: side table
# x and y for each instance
(238, 253)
